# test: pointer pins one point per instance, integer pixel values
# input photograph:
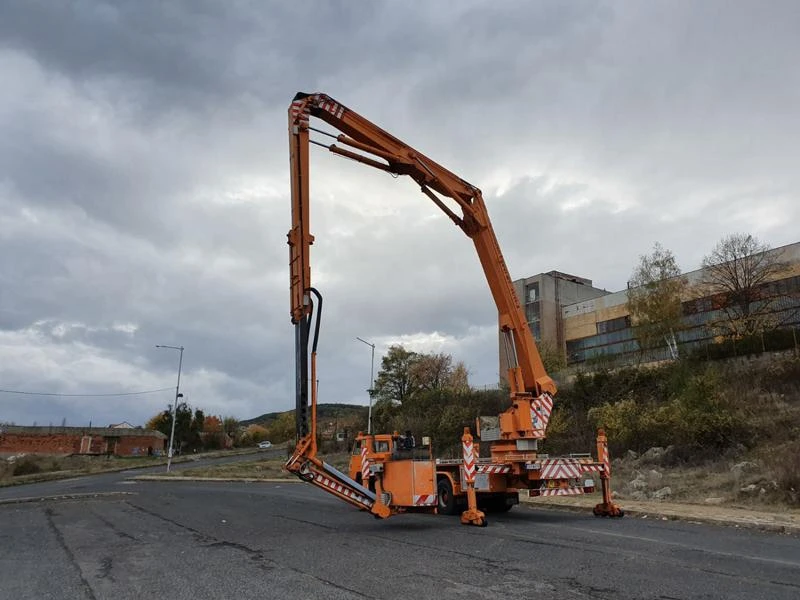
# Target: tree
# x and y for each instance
(737, 271)
(282, 429)
(256, 433)
(458, 379)
(160, 422)
(183, 425)
(395, 380)
(654, 299)
(230, 425)
(199, 421)
(404, 374)
(212, 424)
(431, 372)
(552, 358)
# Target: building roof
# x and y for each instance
(99, 431)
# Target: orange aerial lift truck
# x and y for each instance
(390, 473)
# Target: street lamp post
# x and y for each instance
(371, 389)
(175, 403)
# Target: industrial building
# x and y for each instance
(568, 315)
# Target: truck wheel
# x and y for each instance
(447, 501)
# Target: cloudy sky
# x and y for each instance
(144, 195)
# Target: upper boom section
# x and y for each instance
(377, 148)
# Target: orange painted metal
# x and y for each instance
(471, 516)
(405, 479)
(528, 375)
(400, 483)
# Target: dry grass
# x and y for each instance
(31, 467)
(258, 469)
(34, 464)
(755, 484)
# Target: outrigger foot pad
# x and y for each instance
(608, 509)
(474, 517)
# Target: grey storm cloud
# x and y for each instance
(144, 193)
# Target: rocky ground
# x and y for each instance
(735, 480)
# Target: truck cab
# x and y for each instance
(397, 461)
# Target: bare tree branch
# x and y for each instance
(738, 268)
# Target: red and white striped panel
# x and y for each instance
(562, 492)
(592, 468)
(541, 407)
(327, 104)
(364, 464)
(469, 462)
(494, 469)
(560, 468)
(339, 488)
(425, 500)
(300, 110)
(604, 458)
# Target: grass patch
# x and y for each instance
(267, 468)
(257, 469)
(31, 468)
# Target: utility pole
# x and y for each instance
(371, 389)
(175, 403)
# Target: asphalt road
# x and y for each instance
(218, 540)
(106, 481)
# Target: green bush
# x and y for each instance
(26, 466)
(684, 405)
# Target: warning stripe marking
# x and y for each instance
(364, 464)
(561, 492)
(561, 468)
(541, 407)
(593, 468)
(337, 487)
(494, 469)
(469, 462)
(425, 500)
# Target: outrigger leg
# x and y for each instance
(607, 508)
(471, 516)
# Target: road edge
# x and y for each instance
(222, 479)
(757, 523)
(77, 496)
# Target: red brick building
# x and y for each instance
(81, 440)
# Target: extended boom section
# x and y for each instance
(519, 428)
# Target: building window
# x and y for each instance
(532, 311)
(531, 293)
(613, 325)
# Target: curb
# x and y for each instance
(81, 496)
(745, 522)
(222, 479)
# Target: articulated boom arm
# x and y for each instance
(363, 141)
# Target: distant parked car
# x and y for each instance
(264, 445)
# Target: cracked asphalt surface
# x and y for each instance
(197, 540)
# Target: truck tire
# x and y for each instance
(447, 500)
(498, 506)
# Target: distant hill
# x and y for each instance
(324, 411)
